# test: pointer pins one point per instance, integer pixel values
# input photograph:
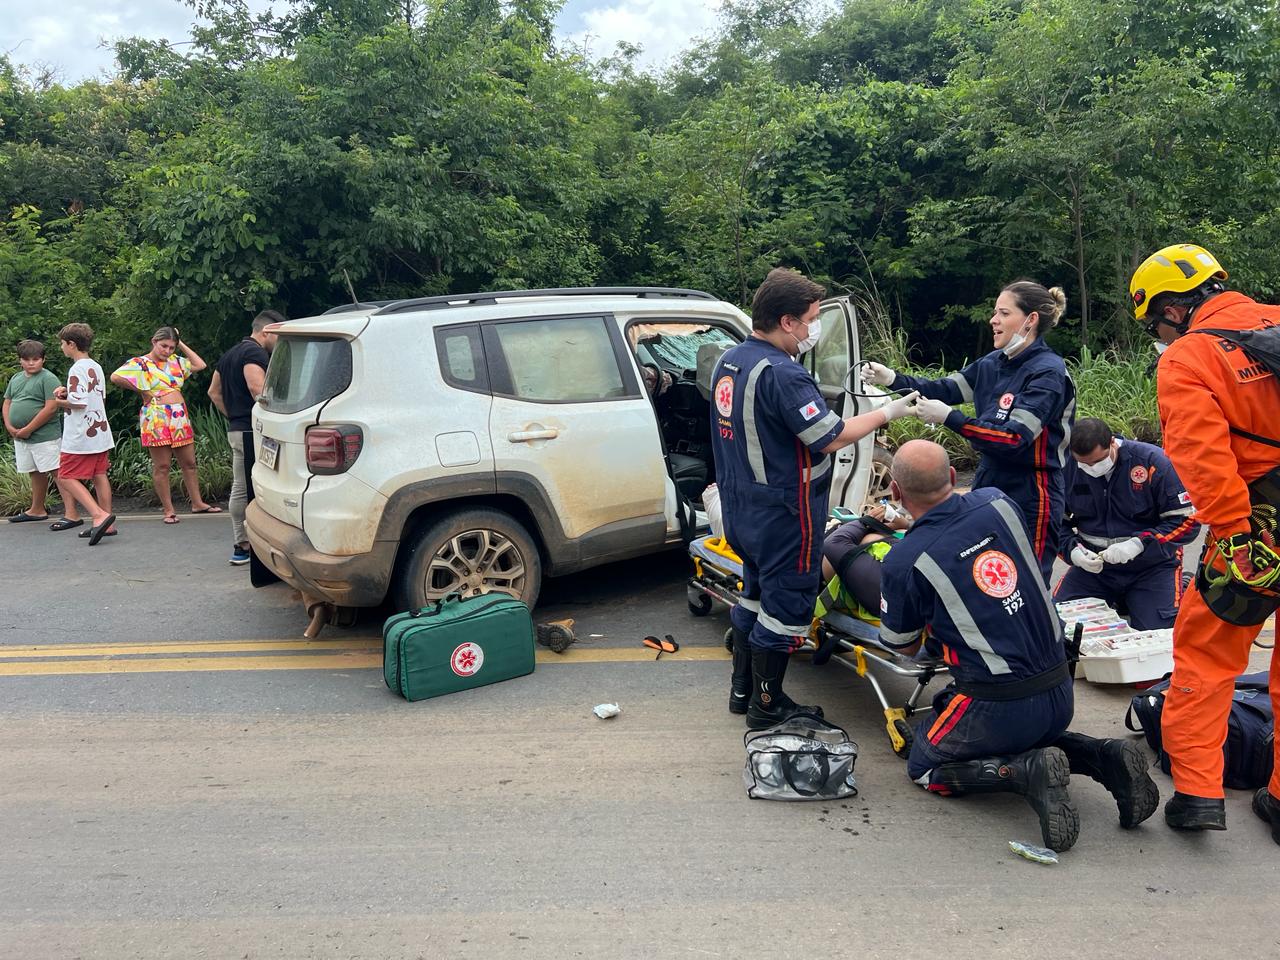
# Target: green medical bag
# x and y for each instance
(456, 644)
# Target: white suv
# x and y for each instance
(471, 443)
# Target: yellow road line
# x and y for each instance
(629, 655)
(209, 646)
(350, 657)
(41, 668)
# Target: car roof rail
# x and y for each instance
(348, 307)
(445, 301)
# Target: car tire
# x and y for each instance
(878, 482)
(472, 552)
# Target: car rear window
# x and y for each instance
(305, 371)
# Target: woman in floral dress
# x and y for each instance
(163, 421)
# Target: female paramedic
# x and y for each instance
(1025, 404)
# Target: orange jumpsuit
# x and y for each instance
(1207, 386)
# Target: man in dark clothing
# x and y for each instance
(773, 436)
(966, 571)
(238, 379)
(1127, 518)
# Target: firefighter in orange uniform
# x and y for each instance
(1218, 413)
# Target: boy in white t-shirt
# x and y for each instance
(86, 434)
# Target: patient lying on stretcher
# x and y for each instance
(851, 559)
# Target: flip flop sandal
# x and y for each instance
(25, 517)
(100, 531)
(65, 524)
(209, 509)
(83, 534)
(172, 519)
(666, 645)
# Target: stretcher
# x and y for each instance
(850, 640)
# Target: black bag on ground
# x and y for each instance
(1247, 755)
(801, 758)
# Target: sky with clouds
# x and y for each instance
(69, 35)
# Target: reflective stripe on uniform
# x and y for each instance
(1013, 520)
(809, 434)
(821, 469)
(895, 639)
(973, 638)
(966, 391)
(1180, 512)
(1028, 420)
(1068, 415)
(1103, 541)
(746, 603)
(755, 454)
(774, 625)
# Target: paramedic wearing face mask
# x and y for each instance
(1025, 404)
(773, 437)
(1128, 516)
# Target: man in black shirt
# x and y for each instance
(237, 381)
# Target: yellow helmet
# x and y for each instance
(1176, 269)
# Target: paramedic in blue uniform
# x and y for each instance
(966, 571)
(773, 437)
(1128, 516)
(1024, 403)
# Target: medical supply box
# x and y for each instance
(456, 644)
(1111, 651)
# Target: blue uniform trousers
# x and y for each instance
(780, 544)
(962, 728)
(1148, 597)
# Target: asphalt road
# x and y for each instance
(182, 777)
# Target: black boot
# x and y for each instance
(1041, 776)
(740, 691)
(1121, 767)
(1268, 808)
(769, 705)
(1185, 812)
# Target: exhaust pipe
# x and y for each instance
(319, 612)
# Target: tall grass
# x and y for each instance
(130, 472)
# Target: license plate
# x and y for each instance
(270, 450)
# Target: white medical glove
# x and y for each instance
(878, 374)
(932, 411)
(1124, 551)
(1086, 559)
(901, 407)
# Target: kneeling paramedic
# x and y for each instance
(1218, 410)
(1127, 517)
(967, 572)
(772, 435)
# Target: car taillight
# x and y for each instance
(333, 449)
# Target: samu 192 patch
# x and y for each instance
(995, 574)
(724, 396)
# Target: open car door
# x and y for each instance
(857, 468)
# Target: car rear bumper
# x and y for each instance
(360, 580)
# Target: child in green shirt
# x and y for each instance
(32, 418)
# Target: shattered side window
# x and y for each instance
(676, 347)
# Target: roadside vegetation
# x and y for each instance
(927, 150)
(130, 473)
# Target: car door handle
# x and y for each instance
(524, 436)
